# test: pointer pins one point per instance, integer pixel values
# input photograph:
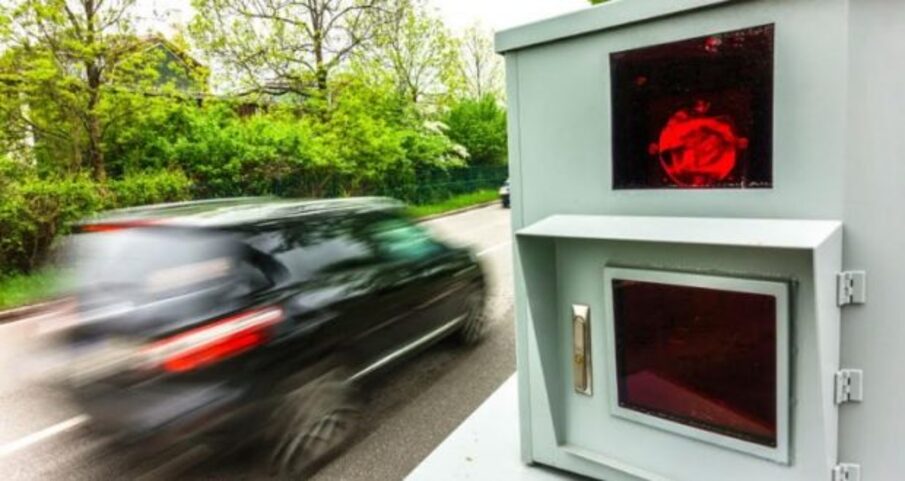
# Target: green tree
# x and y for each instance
(417, 50)
(279, 46)
(480, 126)
(481, 68)
(379, 142)
(72, 69)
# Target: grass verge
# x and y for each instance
(454, 203)
(21, 289)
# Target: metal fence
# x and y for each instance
(421, 187)
(439, 185)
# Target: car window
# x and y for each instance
(314, 246)
(152, 260)
(147, 264)
(399, 239)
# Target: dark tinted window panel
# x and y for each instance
(695, 113)
(701, 357)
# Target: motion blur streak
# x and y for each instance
(41, 435)
(493, 249)
(213, 343)
(213, 326)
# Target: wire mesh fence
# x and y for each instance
(420, 187)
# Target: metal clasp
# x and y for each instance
(581, 348)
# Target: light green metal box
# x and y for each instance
(635, 197)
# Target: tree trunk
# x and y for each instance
(320, 69)
(322, 80)
(317, 12)
(93, 124)
(93, 74)
(95, 152)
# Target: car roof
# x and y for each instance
(237, 212)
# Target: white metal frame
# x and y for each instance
(778, 289)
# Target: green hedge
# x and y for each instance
(149, 188)
(369, 142)
(35, 211)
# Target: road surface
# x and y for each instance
(411, 410)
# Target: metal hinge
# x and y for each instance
(851, 288)
(849, 386)
(847, 472)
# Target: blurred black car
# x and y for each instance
(249, 320)
(504, 194)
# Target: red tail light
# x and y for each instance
(213, 342)
(115, 226)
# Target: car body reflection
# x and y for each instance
(224, 323)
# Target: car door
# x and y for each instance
(333, 278)
(423, 270)
(372, 295)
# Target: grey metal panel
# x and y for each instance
(835, 146)
(873, 334)
(590, 442)
(565, 124)
(522, 352)
(614, 14)
(540, 277)
(775, 233)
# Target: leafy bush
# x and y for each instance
(480, 126)
(252, 156)
(149, 188)
(12, 171)
(381, 145)
(35, 211)
(370, 140)
(366, 139)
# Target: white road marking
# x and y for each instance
(34, 438)
(494, 248)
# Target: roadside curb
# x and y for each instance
(17, 313)
(457, 211)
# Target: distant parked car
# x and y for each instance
(225, 322)
(504, 194)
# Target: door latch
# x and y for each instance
(581, 348)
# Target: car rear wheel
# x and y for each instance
(475, 324)
(315, 422)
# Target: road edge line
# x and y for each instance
(457, 211)
(36, 437)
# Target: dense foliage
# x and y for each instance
(36, 210)
(480, 126)
(94, 116)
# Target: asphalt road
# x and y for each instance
(411, 409)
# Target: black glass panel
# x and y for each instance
(697, 356)
(696, 113)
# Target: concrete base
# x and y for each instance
(486, 447)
